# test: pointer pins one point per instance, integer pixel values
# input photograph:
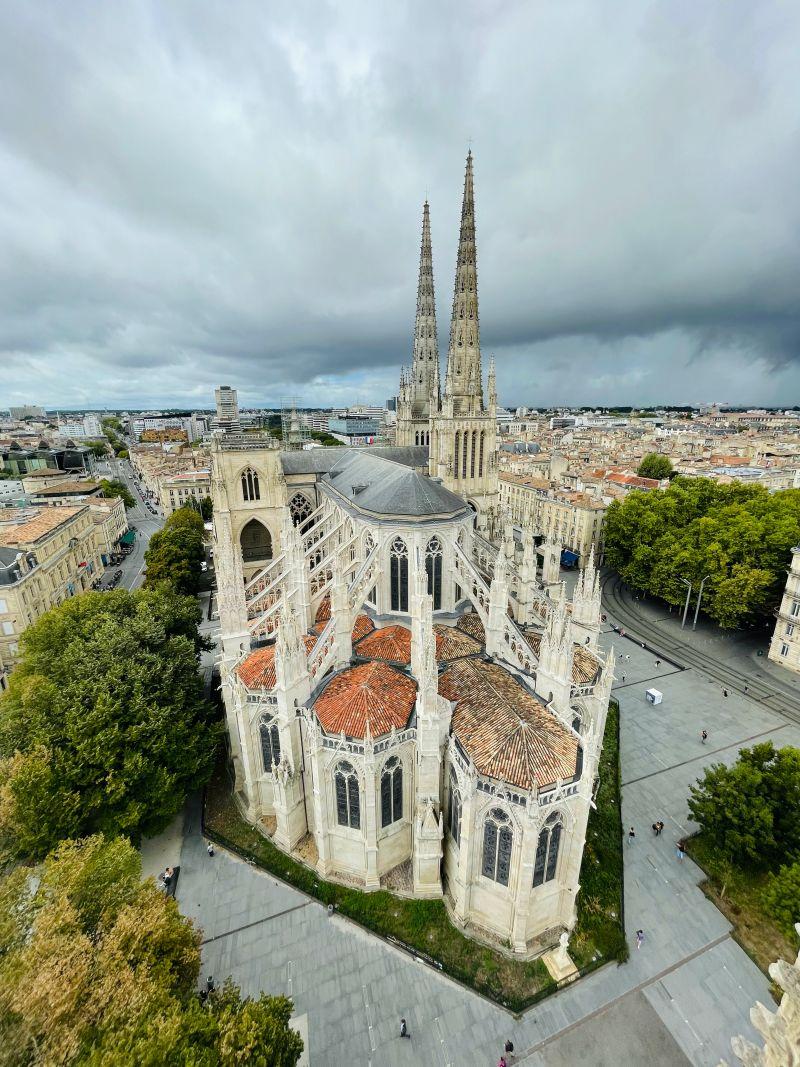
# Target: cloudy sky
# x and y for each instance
(206, 192)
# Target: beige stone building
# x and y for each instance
(47, 554)
(785, 645)
(176, 490)
(110, 521)
(574, 520)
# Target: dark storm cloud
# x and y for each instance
(196, 193)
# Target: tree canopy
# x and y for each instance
(741, 536)
(175, 553)
(752, 809)
(114, 487)
(104, 726)
(655, 465)
(98, 967)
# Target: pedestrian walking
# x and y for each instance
(660, 826)
(404, 1029)
(210, 849)
(623, 678)
(681, 851)
(639, 938)
(502, 1062)
(704, 737)
(658, 663)
(508, 1047)
(724, 692)
(655, 829)
(167, 878)
(631, 836)
(209, 984)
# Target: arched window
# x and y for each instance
(300, 508)
(544, 867)
(433, 566)
(250, 489)
(270, 743)
(497, 840)
(256, 542)
(348, 803)
(464, 450)
(454, 809)
(416, 438)
(398, 575)
(480, 463)
(391, 791)
(577, 720)
(455, 453)
(472, 456)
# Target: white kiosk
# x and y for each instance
(653, 696)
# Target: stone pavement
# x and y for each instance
(678, 1000)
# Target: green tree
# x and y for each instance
(99, 967)
(729, 804)
(782, 898)
(206, 508)
(175, 553)
(738, 537)
(655, 465)
(114, 487)
(99, 448)
(104, 726)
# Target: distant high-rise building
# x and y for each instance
(27, 411)
(227, 408)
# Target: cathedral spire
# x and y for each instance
(425, 363)
(464, 378)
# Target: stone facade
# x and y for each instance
(785, 645)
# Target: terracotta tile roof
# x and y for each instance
(257, 670)
(49, 519)
(362, 626)
(471, 624)
(534, 639)
(509, 735)
(392, 643)
(323, 613)
(452, 643)
(585, 666)
(373, 693)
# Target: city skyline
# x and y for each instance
(192, 201)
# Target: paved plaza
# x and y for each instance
(678, 1000)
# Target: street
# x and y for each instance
(146, 524)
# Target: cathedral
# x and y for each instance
(412, 702)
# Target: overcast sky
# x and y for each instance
(194, 193)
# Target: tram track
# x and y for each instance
(616, 601)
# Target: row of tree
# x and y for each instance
(739, 537)
(113, 428)
(751, 812)
(175, 553)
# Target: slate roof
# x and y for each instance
(508, 733)
(383, 487)
(320, 460)
(373, 693)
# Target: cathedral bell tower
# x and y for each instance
(463, 443)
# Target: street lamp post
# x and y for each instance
(699, 598)
(688, 585)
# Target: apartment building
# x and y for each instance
(176, 490)
(574, 519)
(785, 645)
(47, 554)
(110, 522)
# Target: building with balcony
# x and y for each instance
(785, 645)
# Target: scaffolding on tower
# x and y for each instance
(294, 428)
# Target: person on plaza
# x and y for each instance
(167, 878)
(623, 678)
(210, 849)
(724, 692)
(509, 1045)
(660, 826)
(631, 836)
(209, 985)
(502, 1062)
(658, 663)
(655, 829)
(639, 938)
(704, 737)
(404, 1029)
(681, 851)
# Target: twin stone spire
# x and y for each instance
(464, 380)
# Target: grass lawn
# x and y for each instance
(755, 931)
(424, 925)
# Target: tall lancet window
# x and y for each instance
(474, 450)
(480, 462)
(391, 792)
(464, 451)
(348, 800)
(398, 575)
(455, 452)
(544, 866)
(270, 743)
(497, 841)
(250, 489)
(433, 566)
